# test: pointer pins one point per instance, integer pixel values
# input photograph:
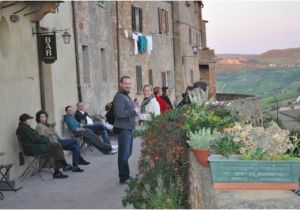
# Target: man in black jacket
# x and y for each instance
(124, 123)
(98, 128)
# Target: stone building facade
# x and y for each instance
(93, 37)
(156, 68)
(190, 31)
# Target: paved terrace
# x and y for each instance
(97, 187)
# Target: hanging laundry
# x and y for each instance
(126, 33)
(142, 44)
(135, 39)
(149, 44)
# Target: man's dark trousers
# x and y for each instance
(125, 142)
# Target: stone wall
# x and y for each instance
(189, 25)
(162, 57)
(98, 77)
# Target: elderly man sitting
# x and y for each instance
(35, 144)
(88, 122)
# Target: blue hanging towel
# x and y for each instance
(142, 44)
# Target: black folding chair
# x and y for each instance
(36, 162)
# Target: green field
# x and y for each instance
(269, 84)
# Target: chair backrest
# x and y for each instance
(21, 153)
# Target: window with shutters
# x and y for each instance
(150, 75)
(169, 79)
(163, 21)
(103, 64)
(139, 82)
(198, 38)
(86, 64)
(163, 79)
(190, 35)
(137, 19)
(192, 76)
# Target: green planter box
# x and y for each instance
(233, 173)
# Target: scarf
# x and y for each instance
(145, 102)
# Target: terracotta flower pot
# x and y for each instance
(201, 156)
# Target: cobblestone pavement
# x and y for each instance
(97, 187)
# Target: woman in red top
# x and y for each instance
(164, 106)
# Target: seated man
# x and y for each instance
(36, 144)
(46, 129)
(98, 128)
(76, 128)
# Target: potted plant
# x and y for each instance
(199, 142)
(266, 160)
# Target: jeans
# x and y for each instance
(101, 129)
(125, 141)
(73, 146)
(94, 140)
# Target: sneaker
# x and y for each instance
(83, 162)
(59, 175)
(77, 169)
(68, 168)
(115, 147)
(113, 151)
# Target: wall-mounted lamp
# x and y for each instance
(66, 36)
(14, 18)
(195, 49)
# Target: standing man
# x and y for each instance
(124, 123)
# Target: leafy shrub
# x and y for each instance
(164, 153)
(201, 139)
(225, 145)
(209, 116)
(158, 189)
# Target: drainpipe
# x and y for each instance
(118, 42)
(76, 52)
(173, 27)
(40, 66)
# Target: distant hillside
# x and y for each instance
(285, 58)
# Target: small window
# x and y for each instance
(150, 75)
(163, 79)
(163, 21)
(192, 76)
(103, 64)
(190, 35)
(137, 19)
(86, 64)
(198, 39)
(169, 79)
(139, 82)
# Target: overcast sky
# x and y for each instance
(251, 27)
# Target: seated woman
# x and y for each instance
(35, 144)
(45, 129)
(149, 104)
